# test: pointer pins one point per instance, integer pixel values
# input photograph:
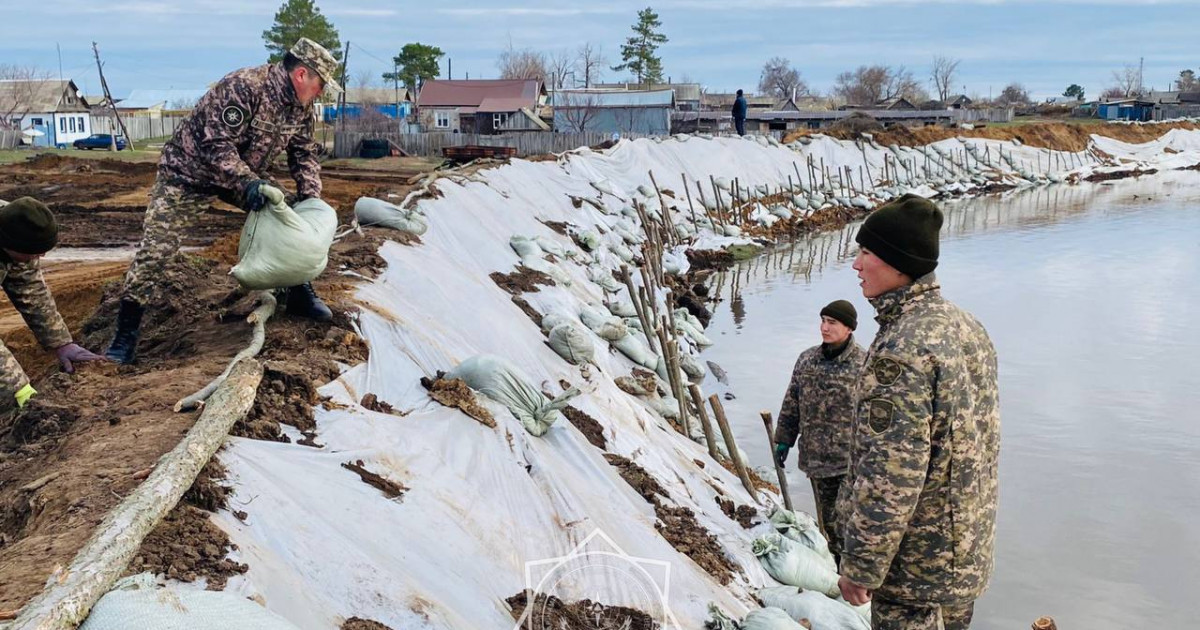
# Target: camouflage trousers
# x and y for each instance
(887, 615)
(172, 210)
(825, 494)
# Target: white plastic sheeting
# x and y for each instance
(139, 602)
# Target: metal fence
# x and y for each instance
(993, 115)
(140, 127)
(346, 143)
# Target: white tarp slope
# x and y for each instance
(322, 545)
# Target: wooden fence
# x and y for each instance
(9, 139)
(993, 115)
(346, 143)
(140, 127)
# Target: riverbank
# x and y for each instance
(480, 502)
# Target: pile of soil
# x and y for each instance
(637, 478)
(588, 426)
(1050, 135)
(358, 623)
(454, 392)
(549, 611)
(743, 514)
(523, 280)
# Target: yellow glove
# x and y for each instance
(24, 394)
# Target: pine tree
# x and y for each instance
(296, 19)
(637, 53)
(416, 64)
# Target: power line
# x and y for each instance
(369, 54)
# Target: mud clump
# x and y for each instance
(679, 527)
(358, 623)
(559, 226)
(523, 280)
(454, 392)
(549, 611)
(207, 491)
(528, 310)
(186, 546)
(743, 514)
(715, 259)
(286, 395)
(372, 402)
(588, 426)
(389, 488)
(39, 419)
(637, 477)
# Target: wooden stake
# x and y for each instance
(705, 424)
(731, 446)
(783, 487)
(1044, 623)
(688, 190)
(672, 236)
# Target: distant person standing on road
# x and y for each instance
(918, 509)
(818, 412)
(739, 113)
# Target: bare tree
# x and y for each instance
(780, 80)
(182, 103)
(1013, 94)
(1113, 92)
(1129, 79)
(524, 63)
(868, 85)
(363, 79)
(18, 97)
(578, 109)
(943, 73)
(591, 62)
(559, 64)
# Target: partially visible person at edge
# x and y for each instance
(918, 510)
(28, 231)
(225, 149)
(739, 113)
(818, 409)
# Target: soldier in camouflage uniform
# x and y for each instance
(225, 149)
(818, 408)
(919, 505)
(27, 231)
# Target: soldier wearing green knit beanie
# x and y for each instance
(27, 231)
(918, 507)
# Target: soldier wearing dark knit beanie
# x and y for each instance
(28, 227)
(842, 311)
(904, 234)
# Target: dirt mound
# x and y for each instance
(358, 623)
(743, 514)
(523, 280)
(679, 526)
(637, 478)
(1073, 136)
(591, 429)
(454, 392)
(549, 611)
(187, 546)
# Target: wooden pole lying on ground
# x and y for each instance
(731, 446)
(73, 591)
(705, 424)
(1044, 623)
(258, 319)
(783, 487)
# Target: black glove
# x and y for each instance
(781, 453)
(253, 199)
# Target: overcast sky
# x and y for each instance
(1044, 44)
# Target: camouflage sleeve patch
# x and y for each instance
(223, 120)
(27, 290)
(233, 116)
(879, 414)
(886, 371)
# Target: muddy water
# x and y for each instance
(1091, 294)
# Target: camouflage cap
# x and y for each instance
(315, 56)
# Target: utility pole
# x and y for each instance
(342, 97)
(108, 97)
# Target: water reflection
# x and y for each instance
(1090, 293)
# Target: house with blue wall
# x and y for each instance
(51, 111)
(1126, 109)
(614, 111)
(390, 102)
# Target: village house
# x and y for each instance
(687, 95)
(50, 112)
(483, 106)
(391, 102)
(153, 103)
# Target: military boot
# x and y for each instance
(302, 301)
(129, 322)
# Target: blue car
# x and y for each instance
(100, 141)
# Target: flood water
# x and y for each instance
(1091, 294)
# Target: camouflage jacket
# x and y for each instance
(236, 130)
(818, 409)
(919, 507)
(27, 290)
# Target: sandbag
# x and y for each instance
(608, 327)
(283, 247)
(770, 619)
(501, 381)
(603, 277)
(622, 309)
(525, 246)
(620, 251)
(138, 602)
(718, 620)
(821, 611)
(371, 211)
(634, 347)
(793, 564)
(537, 263)
(553, 319)
(803, 528)
(550, 246)
(691, 366)
(572, 344)
(589, 240)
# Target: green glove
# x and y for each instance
(781, 453)
(24, 394)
